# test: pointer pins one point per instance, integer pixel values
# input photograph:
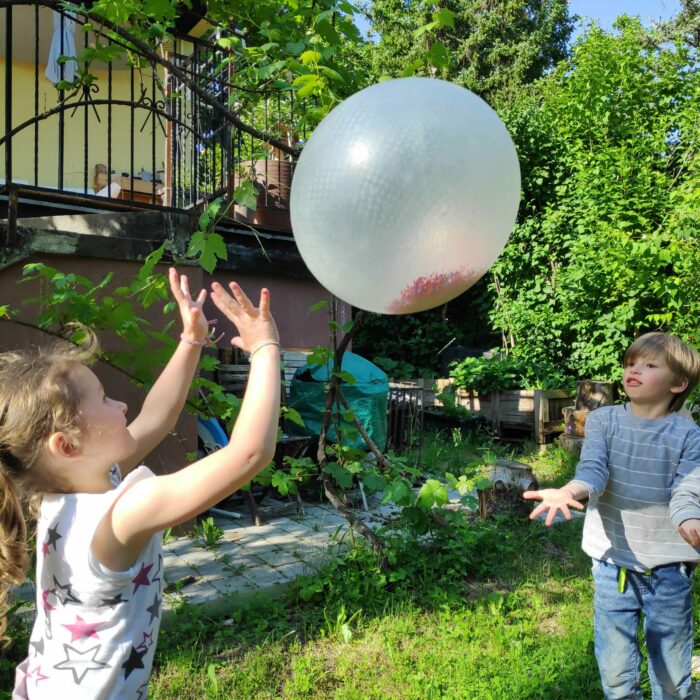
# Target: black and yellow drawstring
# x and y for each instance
(622, 578)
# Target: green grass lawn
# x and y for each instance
(499, 609)
(524, 631)
(515, 622)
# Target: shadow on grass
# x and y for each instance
(499, 610)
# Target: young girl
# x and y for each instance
(99, 567)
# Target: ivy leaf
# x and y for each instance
(445, 17)
(310, 58)
(439, 56)
(373, 481)
(342, 477)
(432, 493)
(283, 482)
(418, 33)
(346, 377)
(318, 356)
(246, 194)
(397, 491)
(318, 306)
(293, 415)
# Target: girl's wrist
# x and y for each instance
(202, 342)
(194, 340)
(266, 344)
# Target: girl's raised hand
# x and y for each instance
(194, 324)
(255, 325)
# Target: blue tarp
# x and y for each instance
(367, 397)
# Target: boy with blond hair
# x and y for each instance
(640, 470)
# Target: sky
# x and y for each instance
(605, 11)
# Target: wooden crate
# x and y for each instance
(291, 361)
(537, 411)
(233, 378)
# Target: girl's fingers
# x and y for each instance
(185, 285)
(241, 297)
(201, 296)
(265, 303)
(175, 285)
(224, 302)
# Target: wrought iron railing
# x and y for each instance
(142, 129)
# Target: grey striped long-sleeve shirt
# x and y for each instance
(643, 481)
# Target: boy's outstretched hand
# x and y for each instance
(194, 323)
(553, 500)
(690, 531)
(255, 325)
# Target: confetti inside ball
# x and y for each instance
(404, 195)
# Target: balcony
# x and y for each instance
(137, 131)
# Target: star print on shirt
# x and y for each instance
(81, 629)
(45, 548)
(154, 608)
(111, 602)
(146, 643)
(53, 537)
(142, 690)
(45, 599)
(142, 577)
(156, 576)
(80, 662)
(134, 661)
(38, 646)
(37, 675)
(68, 596)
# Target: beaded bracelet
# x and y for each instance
(269, 342)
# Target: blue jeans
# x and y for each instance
(663, 596)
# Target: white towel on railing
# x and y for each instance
(67, 48)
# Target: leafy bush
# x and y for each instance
(485, 375)
(449, 406)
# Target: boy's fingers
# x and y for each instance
(537, 510)
(551, 515)
(184, 285)
(201, 296)
(531, 495)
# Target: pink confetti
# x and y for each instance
(432, 290)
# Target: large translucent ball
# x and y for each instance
(404, 195)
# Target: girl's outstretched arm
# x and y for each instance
(165, 400)
(152, 505)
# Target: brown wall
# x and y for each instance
(290, 301)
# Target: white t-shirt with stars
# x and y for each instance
(96, 629)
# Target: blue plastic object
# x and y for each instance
(211, 434)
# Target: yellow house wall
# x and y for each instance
(74, 139)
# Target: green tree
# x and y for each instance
(607, 245)
(489, 47)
